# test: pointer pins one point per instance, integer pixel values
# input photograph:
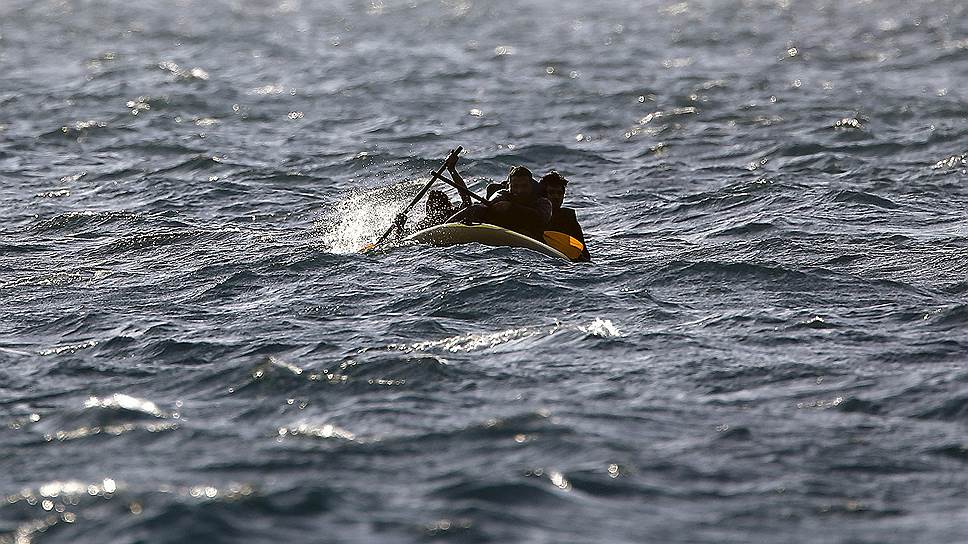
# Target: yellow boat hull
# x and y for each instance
(450, 234)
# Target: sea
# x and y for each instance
(770, 344)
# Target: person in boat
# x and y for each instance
(562, 219)
(438, 207)
(521, 207)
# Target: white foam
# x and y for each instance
(601, 327)
(361, 218)
(480, 341)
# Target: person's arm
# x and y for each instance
(451, 166)
(398, 222)
(465, 194)
(579, 235)
(498, 197)
(572, 222)
(493, 188)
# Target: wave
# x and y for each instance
(107, 416)
(746, 378)
(527, 336)
(515, 492)
(747, 229)
(90, 511)
(956, 288)
(864, 198)
(140, 241)
(925, 352)
(677, 271)
(952, 316)
(83, 129)
(196, 166)
(955, 450)
(953, 408)
(77, 220)
(542, 157)
(753, 196)
(368, 371)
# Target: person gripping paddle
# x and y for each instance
(439, 207)
(451, 159)
(521, 207)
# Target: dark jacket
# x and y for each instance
(564, 220)
(528, 216)
(433, 220)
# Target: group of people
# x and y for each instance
(519, 203)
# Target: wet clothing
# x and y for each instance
(527, 215)
(439, 213)
(434, 219)
(565, 220)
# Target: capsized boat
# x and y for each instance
(450, 234)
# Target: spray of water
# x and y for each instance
(363, 216)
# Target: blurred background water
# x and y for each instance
(769, 347)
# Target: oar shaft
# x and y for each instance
(434, 176)
(448, 181)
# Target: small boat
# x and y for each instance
(450, 234)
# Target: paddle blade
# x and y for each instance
(568, 245)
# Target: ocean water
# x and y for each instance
(770, 345)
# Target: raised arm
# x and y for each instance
(465, 197)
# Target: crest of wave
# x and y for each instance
(362, 217)
(603, 328)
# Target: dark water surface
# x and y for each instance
(770, 346)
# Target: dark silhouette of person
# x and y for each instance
(520, 207)
(562, 219)
(438, 207)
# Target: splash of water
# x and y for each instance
(601, 327)
(363, 216)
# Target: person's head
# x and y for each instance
(438, 203)
(520, 182)
(554, 186)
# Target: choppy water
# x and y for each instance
(770, 345)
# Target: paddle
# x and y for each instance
(448, 181)
(571, 247)
(433, 177)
